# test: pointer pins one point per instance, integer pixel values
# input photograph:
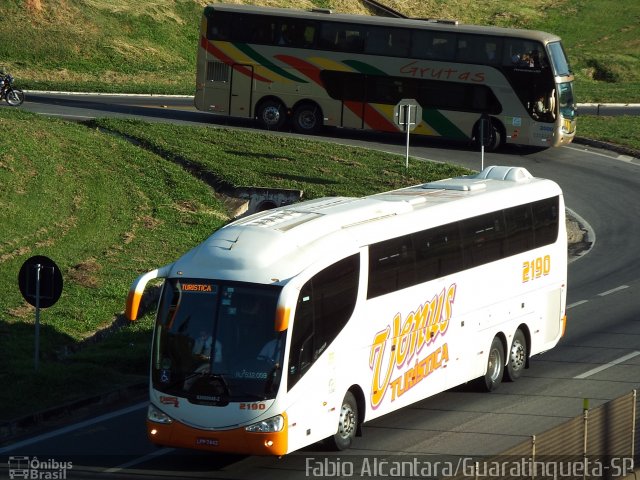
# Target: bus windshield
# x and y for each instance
(559, 59)
(215, 342)
(567, 104)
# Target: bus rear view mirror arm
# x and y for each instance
(137, 289)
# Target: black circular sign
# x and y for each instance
(40, 275)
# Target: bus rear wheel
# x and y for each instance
(517, 357)
(347, 424)
(307, 118)
(271, 114)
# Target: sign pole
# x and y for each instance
(38, 267)
(482, 121)
(407, 120)
(40, 283)
(402, 117)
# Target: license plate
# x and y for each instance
(207, 442)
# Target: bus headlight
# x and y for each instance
(155, 415)
(273, 424)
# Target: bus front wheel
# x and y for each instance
(347, 424)
(307, 118)
(272, 114)
(495, 366)
(493, 135)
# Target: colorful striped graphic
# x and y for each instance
(307, 69)
(442, 125)
(265, 62)
(376, 116)
(365, 68)
(220, 55)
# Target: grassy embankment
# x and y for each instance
(137, 47)
(106, 211)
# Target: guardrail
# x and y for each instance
(379, 7)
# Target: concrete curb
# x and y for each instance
(622, 150)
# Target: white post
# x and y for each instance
(407, 120)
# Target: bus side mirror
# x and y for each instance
(137, 289)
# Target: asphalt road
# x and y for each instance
(598, 359)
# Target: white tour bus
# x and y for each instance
(300, 323)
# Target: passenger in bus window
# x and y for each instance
(285, 37)
(490, 51)
(539, 109)
(535, 58)
(202, 347)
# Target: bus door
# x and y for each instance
(241, 90)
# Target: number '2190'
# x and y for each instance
(536, 268)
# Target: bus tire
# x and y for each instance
(495, 366)
(517, 360)
(271, 114)
(307, 118)
(347, 424)
(493, 139)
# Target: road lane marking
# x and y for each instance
(599, 369)
(575, 304)
(613, 290)
(138, 460)
(74, 427)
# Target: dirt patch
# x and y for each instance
(85, 273)
(34, 6)
(577, 237)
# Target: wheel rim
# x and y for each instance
(271, 115)
(13, 98)
(307, 120)
(517, 356)
(493, 368)
(347, 422)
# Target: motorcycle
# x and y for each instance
(13, 96)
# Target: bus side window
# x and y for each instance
(519, 229)
(219, 27)
(438, 252)
(391, 266)
(342, 37)
(387, 41)
(295, 33)
(545, 221)
(325, 304)
(433, 45)
(483, 238)
(302, 335)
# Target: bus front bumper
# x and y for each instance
(236, 440)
